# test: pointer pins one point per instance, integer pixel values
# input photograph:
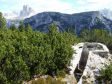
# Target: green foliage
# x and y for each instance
(48, 80)
(13, 27)
(3, 79)
(58, 82)
(106, 73)
(61, 73)
(97, 35)
(38, 81)
(2, 22)
(25, 53)
(21, 26)
(71, 38)
(28, 28)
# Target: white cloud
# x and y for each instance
(69, 6)
(43, 5)
(90, 5)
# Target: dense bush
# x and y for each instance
(25, 53)
(97, 35)
(48, 80)
(106, 74)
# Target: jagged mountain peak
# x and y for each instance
(26, 12)
(22, 14)
(15, 17)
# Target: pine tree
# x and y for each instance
(21, 26)
(28, 28)
(2, 21)
(13, 27)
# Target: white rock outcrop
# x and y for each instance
(76, 56)
(88, 60)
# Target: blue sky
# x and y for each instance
(64, 6)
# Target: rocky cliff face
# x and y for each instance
(16, 17)
(88, 60)
(75, 22)
(26, 12)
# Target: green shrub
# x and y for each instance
(25, 53)
(58, 82)
(61, 73)
(38, 81)
(49, 80)
(3, 79)
(107, 73)
(97, 35)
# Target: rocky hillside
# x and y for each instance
(75, 22)
(88, 60)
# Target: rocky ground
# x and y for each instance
(88, 60)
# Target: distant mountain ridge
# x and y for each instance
(77, 21)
